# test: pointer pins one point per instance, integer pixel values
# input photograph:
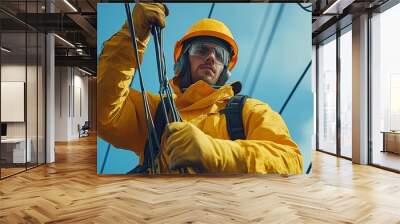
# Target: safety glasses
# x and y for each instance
(202, 49)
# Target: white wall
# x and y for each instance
(13, 72)
(61, 103)
(80, 102)
(71, 94)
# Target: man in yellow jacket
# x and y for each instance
(204, 57)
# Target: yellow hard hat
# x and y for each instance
(212, 28)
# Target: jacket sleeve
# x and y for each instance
(268, 147)
(121, 119)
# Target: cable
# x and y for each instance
(157, 47)
(109, 144)
(261, 64)
(211, 10)
(305, 8)
(309, 168)
(268, 45)
(255, 46)
(152, 135)
(165, 89)
(150, 124)
(294, 88)
(105, 158)
(290, 97)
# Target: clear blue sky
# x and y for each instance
(286, 59)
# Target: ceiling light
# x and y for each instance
(79, 51)
(65, 41)
(338, 6)
(84, 71)
(5, 50)
(70, 5)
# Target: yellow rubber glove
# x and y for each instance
(189, 147)
(147, 14)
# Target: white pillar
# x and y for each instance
(50, 92)
(360, 90)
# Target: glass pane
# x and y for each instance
(41, 99)
(15, 150)
(31, 97)
(13, 87)
(327, 97)
(32, 85)
(346, 94)
(386, 89)
(23, 80)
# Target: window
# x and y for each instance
(385, 89)
(327, 96)
(346, 93)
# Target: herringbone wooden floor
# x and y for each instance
(70, 191)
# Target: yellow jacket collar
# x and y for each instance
(199, 95)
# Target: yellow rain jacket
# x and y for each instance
(268, 147)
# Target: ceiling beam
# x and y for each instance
(86, 26)
(82, 61)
